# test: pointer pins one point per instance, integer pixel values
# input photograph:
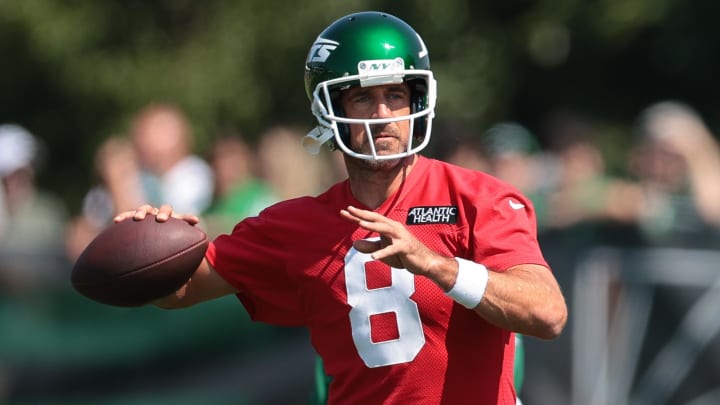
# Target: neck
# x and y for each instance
(372, 182)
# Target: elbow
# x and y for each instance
(176, 300)
(552, 321)
(169, 302)
(166, 303)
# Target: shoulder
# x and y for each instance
(471, 188)
(290, 207)
(307, 207)
(464, 179)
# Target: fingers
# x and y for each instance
(143, 211)
(394, 239)
(348, 215)
(161, 214)
(123, 216)
(372, 221)
(380, 250)
(356, 214)
(189, 218)
(366, 246)
(137, 214)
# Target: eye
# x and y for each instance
(398, 91)
(360, 98)
(398, 98)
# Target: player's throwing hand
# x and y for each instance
(397, 247)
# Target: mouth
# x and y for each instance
(380, 132)
(383, 135)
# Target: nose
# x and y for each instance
(382, 110)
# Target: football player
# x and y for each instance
(412, 275)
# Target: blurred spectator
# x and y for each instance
(677, 161)
(585, 193)
(119, 189)
(156, 165)
(288, 168)
(513, 155)
(462, 146)
(467, 154)
(31, 241)
(171, 173)
(239, 192)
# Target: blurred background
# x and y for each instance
(604, 113)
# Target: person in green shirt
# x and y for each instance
(239, 193)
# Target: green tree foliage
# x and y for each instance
(74, 71)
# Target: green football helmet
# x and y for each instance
(367, 49)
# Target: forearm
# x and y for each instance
(205, 284)
(524, 299)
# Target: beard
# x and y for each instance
(377, 165)
(390, 144)
(371, 165)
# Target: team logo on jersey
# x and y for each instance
(432, 215)
(321, 50)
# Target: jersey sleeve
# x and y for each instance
(254, 263)
(507, 236)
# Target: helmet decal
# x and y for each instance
(321, 49)
(381, 71)
(423, 52)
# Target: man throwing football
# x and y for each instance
(412, 275)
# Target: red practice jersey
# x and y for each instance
(384, 334)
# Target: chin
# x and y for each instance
(370, 164)
(383, 164)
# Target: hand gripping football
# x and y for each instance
(134, 262)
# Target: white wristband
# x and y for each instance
(469, 288)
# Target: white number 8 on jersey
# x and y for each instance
(394, 298)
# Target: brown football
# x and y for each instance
(134, 262)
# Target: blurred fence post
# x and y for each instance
(614, 292)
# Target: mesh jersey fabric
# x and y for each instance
(386, 336)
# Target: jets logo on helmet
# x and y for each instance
(321, 49)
